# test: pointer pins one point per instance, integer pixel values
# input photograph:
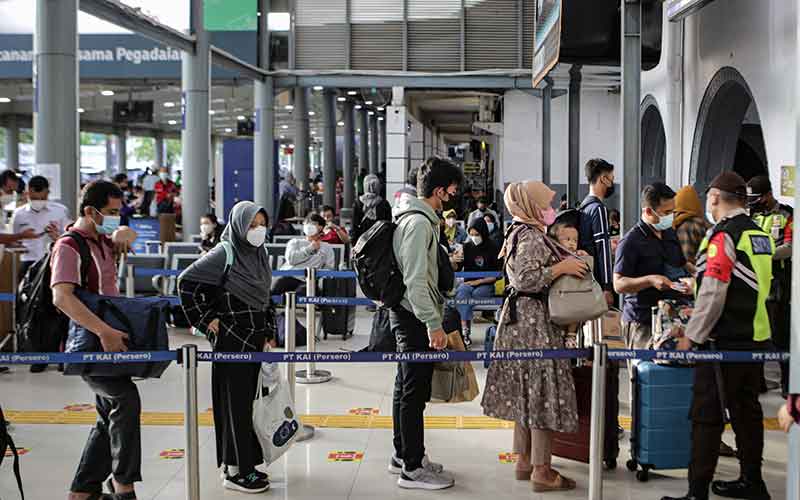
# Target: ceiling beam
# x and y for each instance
(227, 60)
(407, 80)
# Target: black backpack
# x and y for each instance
(376, 265)
(35, 301)
(7, 443)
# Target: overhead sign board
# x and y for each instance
(678, 9)
(546, 38)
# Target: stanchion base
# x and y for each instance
(316, 377)
(305, 433)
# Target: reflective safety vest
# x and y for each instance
(744, 319)
(767, 223)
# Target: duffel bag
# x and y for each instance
(144, 319)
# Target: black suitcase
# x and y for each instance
(338, 320)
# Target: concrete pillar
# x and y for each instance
(373, 143)
(547, 100)
(109, 155)
(329, 147)
(159, 158)
(55, 70)
(363, 141)
(573, 162)
(348, 163)
(265, 183)
(416, 144)
(382, 144)
(196, 133)
(12, 143)
(122, 152)
(216, 155)
(631, 117)
(301, 157)
(396, 144)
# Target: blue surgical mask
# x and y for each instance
(664, 223)
(110, 224)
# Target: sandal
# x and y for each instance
(561, 483)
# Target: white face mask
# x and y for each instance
(450, 222)
(490, 225)
(38, 205)
(310, 229)
(164, 176)
(476, 240)
(206, 229)
(257, 236)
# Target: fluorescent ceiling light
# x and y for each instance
(311, 113)
(81, 110)
(229, 130)
(169, 104)
(318, 87)
(172, 122)
(368, 103)
(5, 99)
(341, 99)
(291, 146)
(283, 137)
(107, 93)
(279, 21)
(288, 107)
(380, 118)
(352, 92)
(358, 106)
(371, 113)
(341, 124)
(284, 127)
(381, 109)
(241, 118)
(211, 112)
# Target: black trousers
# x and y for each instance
(741, 382)
(115, 443)
(233, 389)
(412, 389)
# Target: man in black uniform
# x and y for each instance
(734, 273)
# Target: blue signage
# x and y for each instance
(147, 229)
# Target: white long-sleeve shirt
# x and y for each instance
(301, 255)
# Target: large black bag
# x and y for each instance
(6, 443)
(381, 337)
(143, 319)
(35, 301)
(338, 320)
(299, 332)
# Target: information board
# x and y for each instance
(147, 229)
(546, 38)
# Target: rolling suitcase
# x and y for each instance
(660, 428)
(338, 320)
(575, 446)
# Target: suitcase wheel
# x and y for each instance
(610, 464)
(632, 465)
(643, 475)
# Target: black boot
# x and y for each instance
(741, 488)
(38, 368)
(696, 492)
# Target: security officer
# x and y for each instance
(734, 272)
(777, 220)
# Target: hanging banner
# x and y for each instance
(787, 180)
(546, 38)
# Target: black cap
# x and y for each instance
(758, 186)
(730, 182)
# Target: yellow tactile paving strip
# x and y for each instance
(64, 417)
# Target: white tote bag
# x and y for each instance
(274, 419)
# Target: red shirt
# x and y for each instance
(332, 237)
(65, 264)
(162, 190)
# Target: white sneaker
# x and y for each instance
(396, 465)
(425, 479)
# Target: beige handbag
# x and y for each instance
(454, 382)
(575, 300)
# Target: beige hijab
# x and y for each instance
(526, 201)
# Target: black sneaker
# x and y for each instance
(467, 341)
(741, 488)
(4, 369)
(38, 368)
(251, 483)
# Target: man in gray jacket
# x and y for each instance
(417, 321)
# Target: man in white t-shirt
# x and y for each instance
(47, 218)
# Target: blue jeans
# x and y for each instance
(466, 292)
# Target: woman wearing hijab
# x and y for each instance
(453, 231)
(370, 207)
(690, 224)
(480, 255)
(495, 230)
(233, 308)
(539, 396)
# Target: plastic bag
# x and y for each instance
(274, 419)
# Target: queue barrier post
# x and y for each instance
(290, 320)
(190, 424)
(311, 375)
(130, 282)
(597, 431)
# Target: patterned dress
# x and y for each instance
(536, 394)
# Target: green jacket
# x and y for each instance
(415, 247)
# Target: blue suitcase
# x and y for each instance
(660, 427)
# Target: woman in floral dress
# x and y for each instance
(539, 396)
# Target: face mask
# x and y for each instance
(476, 240)
(206, 229)
(490, 225)
(257, 236)
(38, 205)
(664, 223)
(450, 222)
(164, 176)
(109, 225)
(710, 217)
(549, 216)
(757, 207)
(610, 191)
(310, 229)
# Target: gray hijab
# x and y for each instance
(250, 277)
(371, 199)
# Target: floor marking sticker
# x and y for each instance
(364, 411)
(345, 456)
(507, 458)
(20, 451)
(172, 454)
(79, 407)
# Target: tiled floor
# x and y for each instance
(305, 472)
